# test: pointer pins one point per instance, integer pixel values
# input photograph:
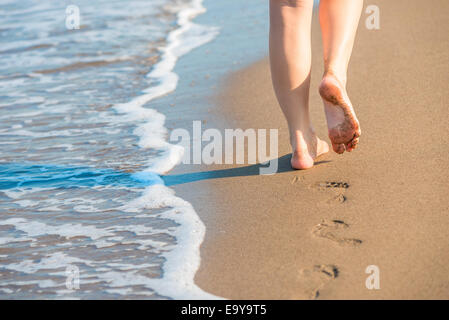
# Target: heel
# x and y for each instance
(330, 91)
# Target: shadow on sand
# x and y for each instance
(251, 170)
(23, 175)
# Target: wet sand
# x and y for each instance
(311, 234)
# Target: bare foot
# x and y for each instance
(344, 128)
(306, 148)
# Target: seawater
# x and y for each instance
(81, 150)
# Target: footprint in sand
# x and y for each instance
(296, 179)
(339, 198)
(311, 281)
(330, 229)
(330, 184)
(337, 186)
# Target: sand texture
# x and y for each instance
(311, 234)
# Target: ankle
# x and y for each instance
(300, 139)
(340, 76)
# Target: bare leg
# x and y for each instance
(290, 60)
(339, 20)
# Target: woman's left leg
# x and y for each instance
(339, 20)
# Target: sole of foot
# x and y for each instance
(343, 126)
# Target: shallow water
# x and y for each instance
(73, 135)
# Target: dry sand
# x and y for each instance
(274, 237)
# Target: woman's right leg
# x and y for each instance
(290, 60)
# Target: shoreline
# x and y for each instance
(261, 231)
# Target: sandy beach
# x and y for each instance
(312, 234)
(99, 110)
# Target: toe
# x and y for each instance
(349, 147)
(353, 143)
(338, 147)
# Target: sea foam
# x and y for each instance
(183, 260)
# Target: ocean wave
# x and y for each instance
(80, 178)
(183, 260)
